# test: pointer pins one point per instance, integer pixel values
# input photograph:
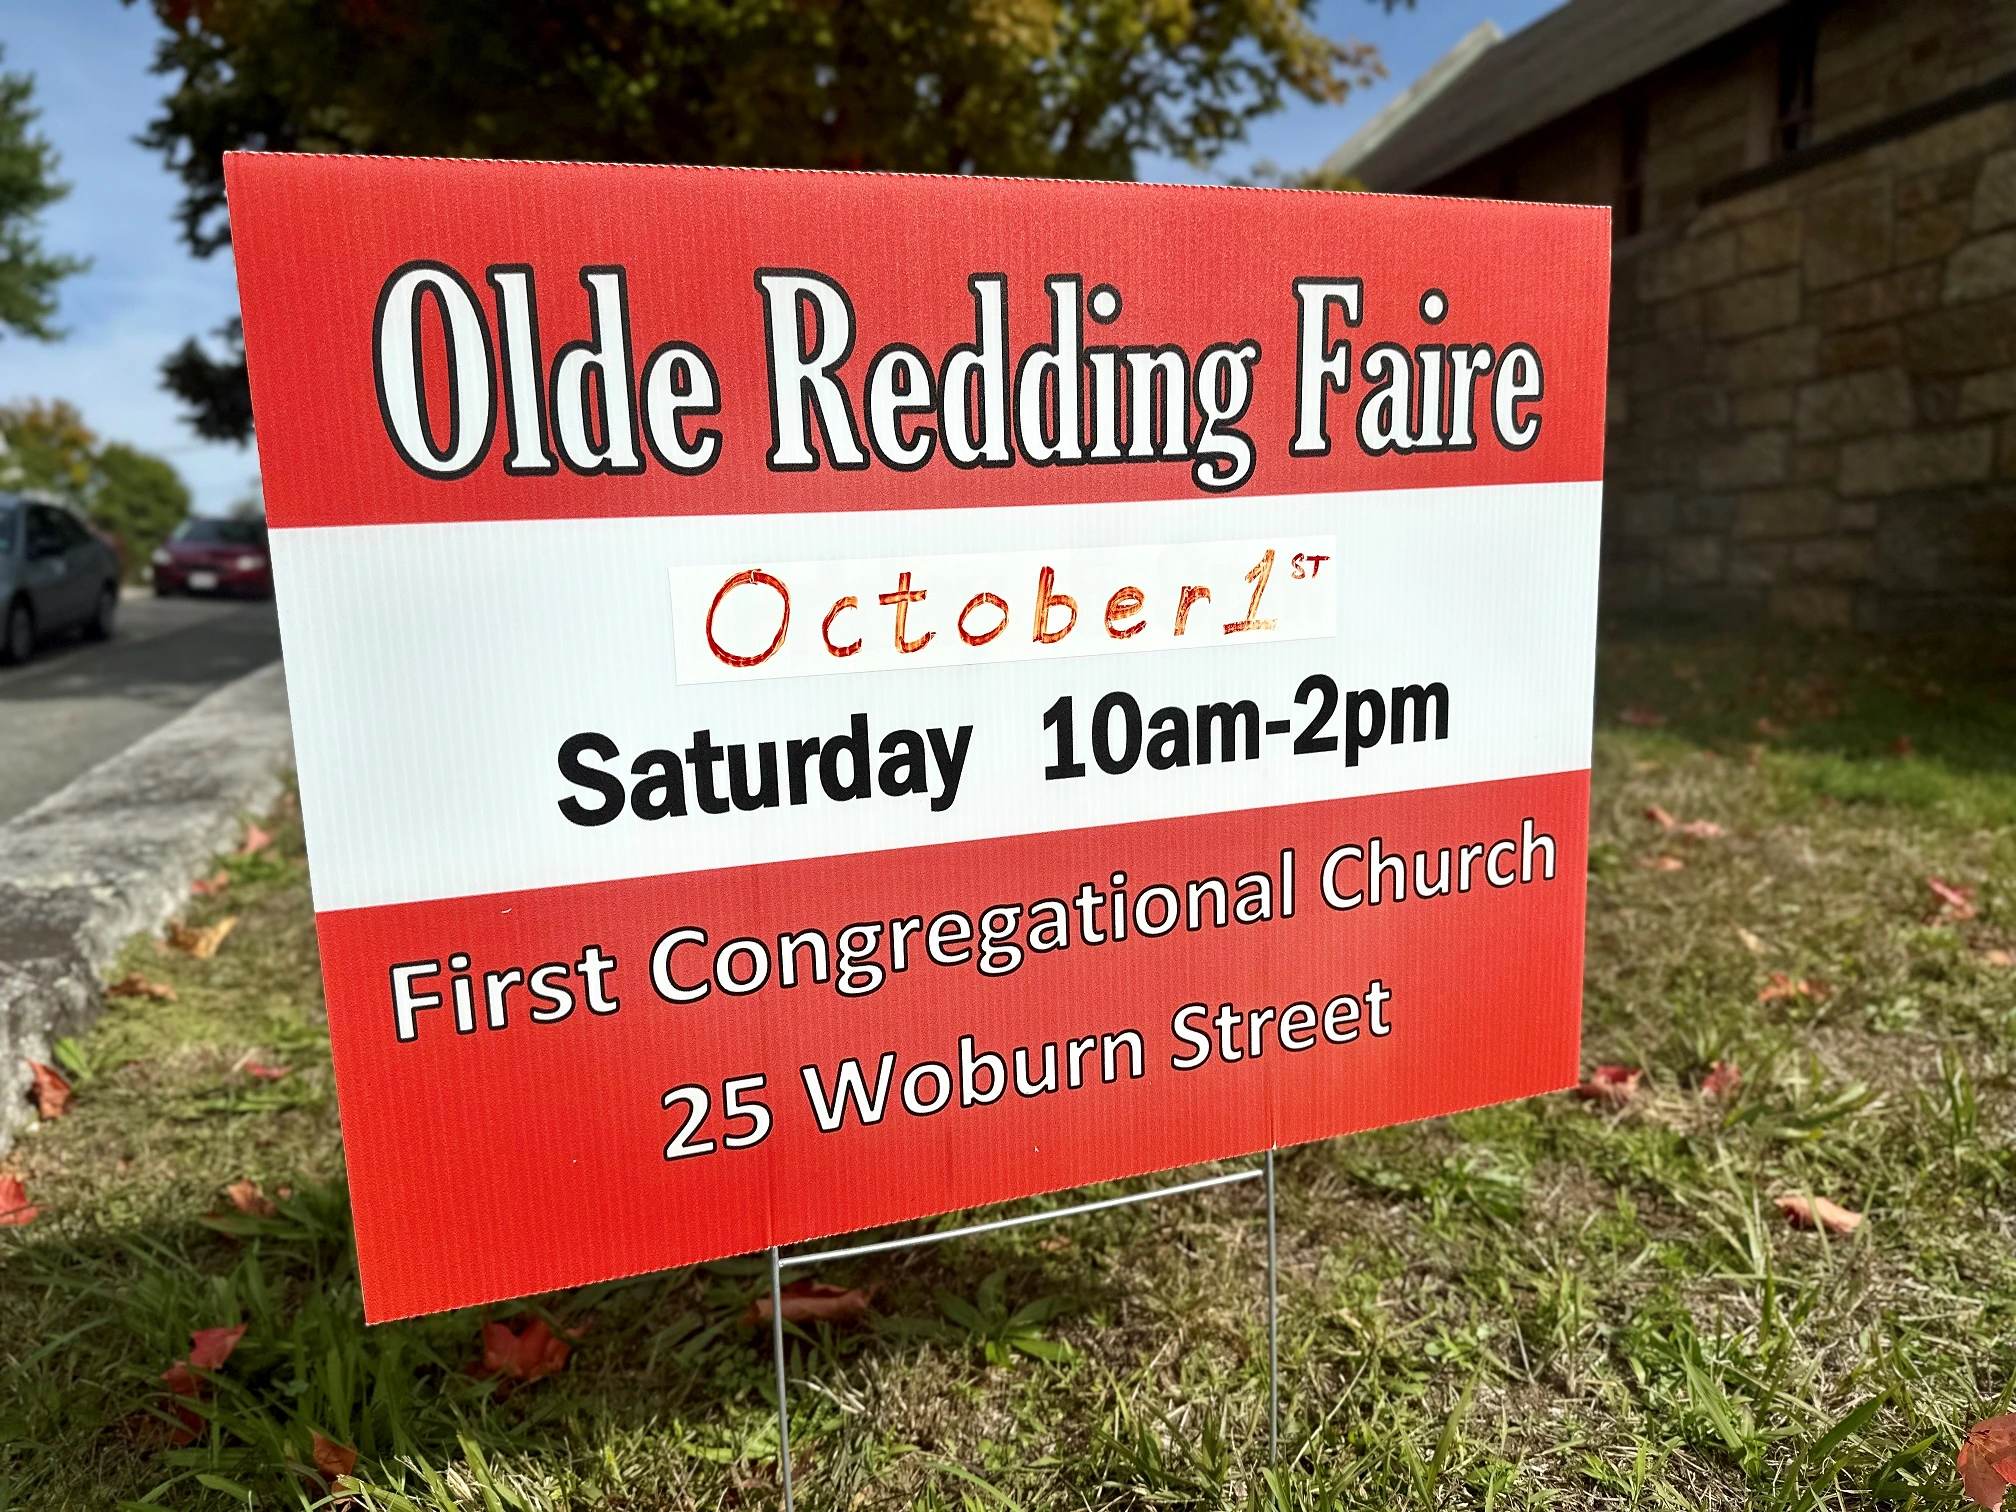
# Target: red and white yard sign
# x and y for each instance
(823, 698)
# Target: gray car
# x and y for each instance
(56, 574)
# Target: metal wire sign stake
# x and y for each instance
(781, 1262)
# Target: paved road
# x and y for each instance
(79, 702)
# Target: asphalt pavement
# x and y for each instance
(79, 702)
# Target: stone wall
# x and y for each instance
(1813, 394)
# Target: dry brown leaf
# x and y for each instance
(526, 1354)
(1660, 817)
(1999, 957)
(135, 985)
(1724, 1079)
(200, 943)
(331, 1458)
(1641, 719)
(1817, 1212)
(209, 1348)
(813, 1302)
(1615, 1085)
(1702, 829)
(1662, 863)
(1956, 903)
(210, 886)
(249, 1200)
(1784, 988)
(256, 840)
(52, 1091)
(1987, 1462)
(1750, 941)
(266, 1073)
(15, 1211)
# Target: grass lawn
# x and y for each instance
(1556, 1303)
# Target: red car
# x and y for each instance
(206, 555)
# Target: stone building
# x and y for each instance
(1812, 405)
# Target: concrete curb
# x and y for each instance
(113, 854)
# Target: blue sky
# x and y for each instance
(145, 293)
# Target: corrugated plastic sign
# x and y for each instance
(822, 698)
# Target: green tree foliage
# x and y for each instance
(28, 186)
(134, 495)
(1054, 88)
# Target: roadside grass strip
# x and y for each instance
(1594, 1301)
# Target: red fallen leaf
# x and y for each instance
(209, 887)
(1783, 988)
(1702, 829)
(1902, 746)
(256, 840)
(1615, 1085)
(1955, 903)
(1660, 817)
(52, 1092)
(331, 1458)
(248, 1199)
(267, 1073)
(1817, 1212)
(1987, 1461)
(209, 1348)
(1723, 1079)
(135, 985)
(14, 1209)
(1641, 719)
(813, 1302)
(523, 1355)
(1662, 863)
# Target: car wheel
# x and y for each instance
(17, 637)
(107, 613)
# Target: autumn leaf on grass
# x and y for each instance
(200, 943)
(52, 1092)
(209, 1348)
(211, 886)
(1660, 817)
(1641, 719)
(1615, 1085)
(813, 1302)
(135, 985)
(522, 1354)
(1662, 863)
(1784, 988)
(1817, 1212)
(14, 1208)
(256, 840)
(1987, 1462)
(1902, 746)
(1724, 1078)
(1956, 904)
(1998, 957)
(1750, 941)
(331, 1458)
(249, 1200)
(266, 1073)
(1701, 829)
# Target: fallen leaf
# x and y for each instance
(1782, 987)
(256, 840)
(331, 1458)
(1702, 829)
(526, 1354)
(248, 1199)
(1660, 817)
(1902, 746)
(14, 1208)
(1750, 941)
(1642, 719)
(267, 1073)
(1723, 1079)
(1662, 863)
(1055, 1246)
(52, 1092)
(209, 1348)
(209, 887)
(200, 943)
(1999, 957)
(813, 1302)
(135, 985)
(1987, 1462)
(1956, 903)
(1648, 766)
(1615, 1085)
(1817, 1212)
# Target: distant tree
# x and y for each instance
(1056, 88)
(28, 186)
(130, 493)
(216, 395)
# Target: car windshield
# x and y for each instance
(10, 514)
(202, 532)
